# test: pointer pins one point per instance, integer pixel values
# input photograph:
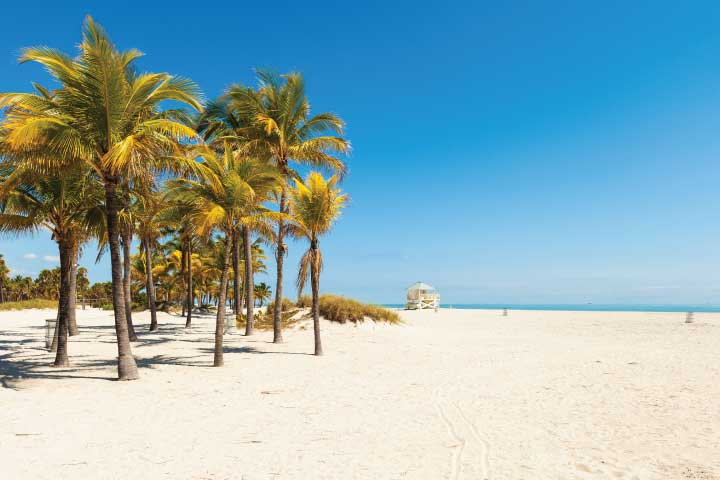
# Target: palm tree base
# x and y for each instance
(127, 369)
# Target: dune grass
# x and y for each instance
(341, 309)
(334, 308)
(264, 321)
(26, 304)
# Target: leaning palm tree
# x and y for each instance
(228, 198)
(314, 206)
(105, 116)
(283, 129)
(68, 206)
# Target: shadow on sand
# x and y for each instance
(27, 359)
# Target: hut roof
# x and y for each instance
(420, 286)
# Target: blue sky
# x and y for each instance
(506, 152)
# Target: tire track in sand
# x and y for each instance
(455, 459)
(484, 445)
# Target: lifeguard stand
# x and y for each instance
(421, 295)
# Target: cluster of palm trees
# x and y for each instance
(104, 156)
(46, 286)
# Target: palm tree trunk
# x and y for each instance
(72, 301)
(237, 301)
(127, 368)
(279, 260)
(249, 287)
(220, 320)
(183, 262)
(315, 281)
(230, 321)
(190, 300)
(126, 243)
(149, 287)
(61, 356)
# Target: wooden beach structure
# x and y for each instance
(421, 295)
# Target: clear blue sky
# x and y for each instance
(529, 152)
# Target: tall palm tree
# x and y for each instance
(67, 206)
(230, 197)
(283, 129)
(221, 127)
(106, 116)
(314, 206)
(228, 128)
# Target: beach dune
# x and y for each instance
(458, 394)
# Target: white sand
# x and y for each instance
(457, 394)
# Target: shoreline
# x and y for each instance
(680, 308)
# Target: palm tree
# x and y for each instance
(149, 210)
(175, 220)
(314, 206)
(225, 127)
(262, 293)
(67, 206)
(82, 283)
(106, 116)
(229, 198)
(4, 270)
(284, 130)
(126, 221)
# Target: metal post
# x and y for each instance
(50, 324)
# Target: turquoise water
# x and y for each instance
(582, 308)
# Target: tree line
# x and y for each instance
(116, 155)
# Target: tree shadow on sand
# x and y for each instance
(26, 359)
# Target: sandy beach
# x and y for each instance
(459, 394)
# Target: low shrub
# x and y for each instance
(287, 305)
(25, 304)
(106, 306)
(304, 302)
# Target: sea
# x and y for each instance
(590, 307)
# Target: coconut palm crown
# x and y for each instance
(282, 128)
(314, 206)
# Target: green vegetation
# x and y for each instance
(113, 155)
(24, 304)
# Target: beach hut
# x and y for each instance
(421, 295)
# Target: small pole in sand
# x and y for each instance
(689, 317)
(505, 312)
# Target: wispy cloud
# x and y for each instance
(51, 258)
(30, 256)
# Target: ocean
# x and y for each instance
(582, 308)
